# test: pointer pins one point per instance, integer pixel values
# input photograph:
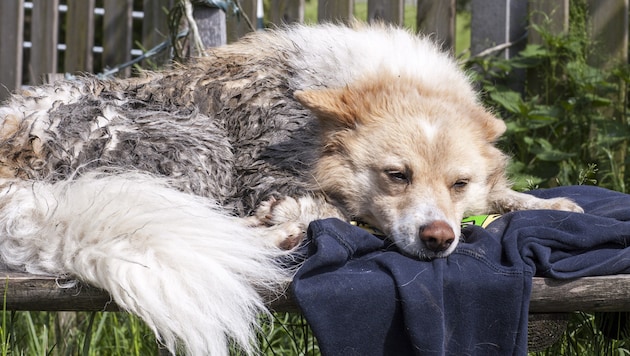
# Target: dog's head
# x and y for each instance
(411, 160)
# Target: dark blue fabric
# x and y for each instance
(362, 297)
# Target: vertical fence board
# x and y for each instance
(238, 26)
(79, 36)
(286, 11)
(553, 16)
(391, 11)
(335, 10)
(155, 26)
(211, 24)
(609, 31)
(44, 37)
(497, 23)
(437, 17)
(117, 33)
(11, 37)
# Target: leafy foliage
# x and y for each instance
(568, 123)
(567, 119)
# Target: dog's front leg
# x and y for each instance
(285, 220)
(509, 200)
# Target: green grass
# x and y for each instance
(120, 334)
(75, 333)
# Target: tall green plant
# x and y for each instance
(568, 123)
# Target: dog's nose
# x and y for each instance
(437, 236)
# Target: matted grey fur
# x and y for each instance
(209, 139)
(173, 191)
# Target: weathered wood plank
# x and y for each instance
(155, 27)
(590, 294)
(117, 34)
(79, 36)
(44, 293)
(437, 17)
(335, 10)
(609, 32)
(553, 16)
(11, 37)
(286, 11)
(44, 37)
(390, 11)
(498, 24)
(25, 291)
(211, 24)
(238, 26)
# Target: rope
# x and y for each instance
(146, 55)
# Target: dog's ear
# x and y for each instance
(332, 106)
(492, 127)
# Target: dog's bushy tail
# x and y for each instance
(192, 272)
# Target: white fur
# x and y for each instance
(191, 272)
(337, 56)
(405, 228)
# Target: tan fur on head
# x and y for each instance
(348, 106)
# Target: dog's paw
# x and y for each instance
(285, 236)
(276, 211)
(563, 204)
(509, 200)
(287, 218)
(279, 221)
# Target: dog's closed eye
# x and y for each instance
(460, 184)
(397, 176)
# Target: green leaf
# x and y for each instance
(545, 151)
(508, 100)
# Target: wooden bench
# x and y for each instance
(590, 294)
(550, 300)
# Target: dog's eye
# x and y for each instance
(460, 184)
(397, 176)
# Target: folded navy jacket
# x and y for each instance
(362, 297)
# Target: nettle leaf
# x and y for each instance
(543, 115)
(554, 156)
(530, 57)
(598, 101)
(545, 151)
(521, 181)
(508, 100)
(515, 127)
(534, 50)
(611, 132)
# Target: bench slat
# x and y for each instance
(44, 293)
(588, 294)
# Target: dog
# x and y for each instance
(179, 191)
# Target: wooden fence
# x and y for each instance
(40, 37)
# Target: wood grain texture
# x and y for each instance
(33, 292)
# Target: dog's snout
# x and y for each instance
(437, 236)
